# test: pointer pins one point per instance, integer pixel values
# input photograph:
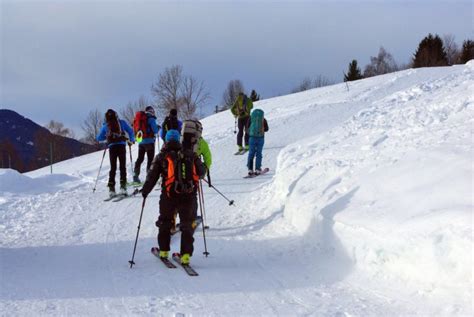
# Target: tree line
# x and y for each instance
(432, 51)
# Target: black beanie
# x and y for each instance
(173, 112)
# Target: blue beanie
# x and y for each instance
(172, 135)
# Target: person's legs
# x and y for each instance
(122, 156)
(113, 154)
(139, 161)
(186, 218)
(246, 131)
(252, 152)
(258, 149)
(165, 222)
(150, 154)
(240, 134)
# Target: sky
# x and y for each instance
(61, 59)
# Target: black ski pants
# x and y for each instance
(149, 150)
(117, 152)
(184, 206)
(243, 130)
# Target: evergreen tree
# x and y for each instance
(467, 52)
(430, 53)
(254, 96)
(354, 72)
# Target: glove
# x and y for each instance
(144, 195)
(130, 143)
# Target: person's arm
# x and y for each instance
(234, 107)
(153, 125)
(205, 152)
(265, 125)
(129, 130)
(101, 136)
(200, 167)
(152, 176)
(249, 106)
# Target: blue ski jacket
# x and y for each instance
(124, 126)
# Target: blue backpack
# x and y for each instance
(256, 123)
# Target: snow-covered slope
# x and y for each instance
(367, 210)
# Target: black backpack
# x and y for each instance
(114, 129)
(170, 123)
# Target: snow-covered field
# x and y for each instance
(367, 210)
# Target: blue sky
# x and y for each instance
(60, 59)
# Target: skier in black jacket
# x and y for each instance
(178, 192)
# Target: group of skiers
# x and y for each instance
(184, 159)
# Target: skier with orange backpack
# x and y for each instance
(146, 130)
(180, 170)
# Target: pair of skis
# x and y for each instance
(241, 152)
(264, 171)
(119, 197)
(177, 258)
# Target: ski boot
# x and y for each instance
(185, 259)
(164, 254)
(136, 179)
(112, 191)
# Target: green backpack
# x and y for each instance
(256, 123)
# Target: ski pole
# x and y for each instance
(138, 231)
(202, 198)
(231, 202)
(98, 173)
(209, 178)
(203, 223)
(131, 160)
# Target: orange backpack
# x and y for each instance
(181, 175)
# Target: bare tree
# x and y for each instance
(128, 112)
(166, 90)
(305, 84)
(194, 96)
(58, 128)
(383, 63)
(308, 83)
(91, 127)
(451, 48)
(234, 87)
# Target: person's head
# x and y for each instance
(241, 93)
(150, 110)
(172, 136)
(110, 115)
(173, 113)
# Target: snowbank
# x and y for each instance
(395, 182)
(13, 182)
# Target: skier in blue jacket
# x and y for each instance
(116, 133)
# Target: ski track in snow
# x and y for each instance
(355, 217)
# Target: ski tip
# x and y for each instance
(176, 254)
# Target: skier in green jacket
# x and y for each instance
(241, 111)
